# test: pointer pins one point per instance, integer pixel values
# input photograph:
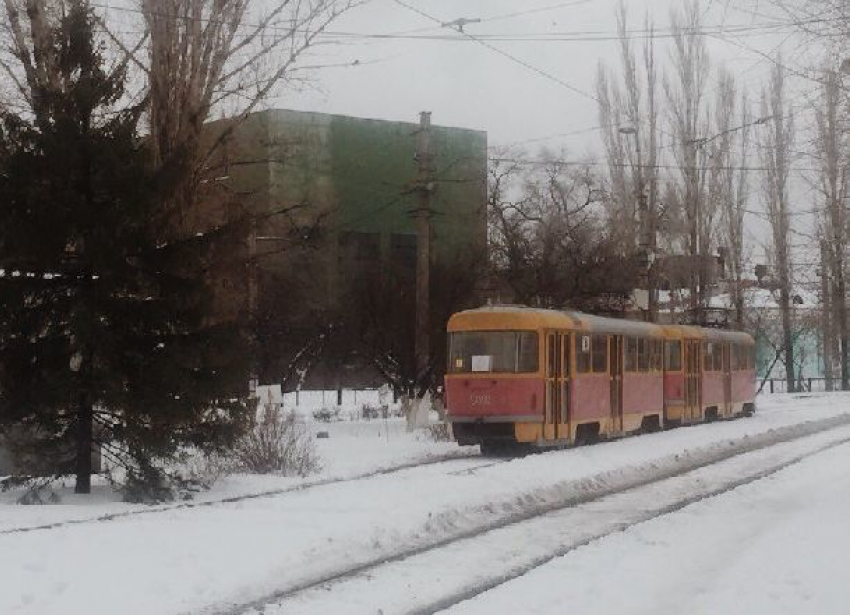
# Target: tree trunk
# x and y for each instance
(841, 318)
(84, 440)
(787, 335)
(826, 317)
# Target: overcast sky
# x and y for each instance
(465, 83)
(468, 84)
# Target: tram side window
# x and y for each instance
(718, 357)
(673, 356)
(600, 353)
(631, 354)
(708, 357)
(643, 355)
(656, 357)
(583, 354)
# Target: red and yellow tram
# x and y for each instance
(519, 375)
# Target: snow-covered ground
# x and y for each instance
(212, 559)
(780, 545)
(352, 449)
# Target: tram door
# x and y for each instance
(615, 371)
(727, 378)
(693, 380)
(558, 353)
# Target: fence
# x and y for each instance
(771, 386)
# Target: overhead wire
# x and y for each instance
(511, 57)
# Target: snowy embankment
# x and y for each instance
(352, 449)
(209, 559)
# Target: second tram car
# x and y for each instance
(527, 376)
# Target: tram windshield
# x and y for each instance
(493, 351)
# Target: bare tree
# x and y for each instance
(776, 143)
(553, 243)
(629, 117)
(203, 53)
(728, 185)
(832, 156)
(687, 105)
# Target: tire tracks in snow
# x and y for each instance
(646, 475)
(449, 457)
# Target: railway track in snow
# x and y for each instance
(435, 575)
(475, 463)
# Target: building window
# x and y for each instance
(403, 251)
(360, 247)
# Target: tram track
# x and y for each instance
(299, 488)
(478, 589)
(453, 544)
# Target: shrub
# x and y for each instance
(326, 415)
(277, 443)
(370, 412)
(439, 432)
(37, 489)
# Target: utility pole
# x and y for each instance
(252, 300)
(826, 313)
(424, 188)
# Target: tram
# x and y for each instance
(543, 378)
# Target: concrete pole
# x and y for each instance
(424, 189)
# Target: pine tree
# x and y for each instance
(102, 339)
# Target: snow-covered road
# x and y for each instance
(427, 581)
(216, 558)
(780, 545)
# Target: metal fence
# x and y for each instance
(803, 385)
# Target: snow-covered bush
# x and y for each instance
(36, 489)
(370, 412)
(439, 432)
(277, 443)
(204, 468)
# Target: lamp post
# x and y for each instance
(647, 228)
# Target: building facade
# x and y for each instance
(325, 198)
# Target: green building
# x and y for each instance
(331, 195)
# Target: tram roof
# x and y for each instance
(519, 317)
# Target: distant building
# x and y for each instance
(343, 183)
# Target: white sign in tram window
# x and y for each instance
(482, 362)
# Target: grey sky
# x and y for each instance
(464, 83)
(467, 84)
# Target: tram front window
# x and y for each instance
(493, 351)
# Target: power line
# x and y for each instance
(567, 35)
(543, 9)
(513, 58)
